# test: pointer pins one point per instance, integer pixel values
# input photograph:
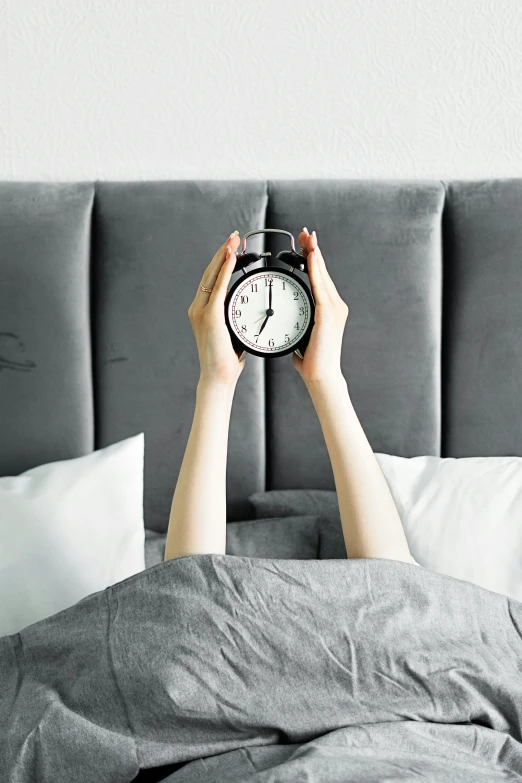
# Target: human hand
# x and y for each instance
(322, 356)
(218, 360)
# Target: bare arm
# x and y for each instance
(370, 520)
(371, 523)
(198, 515)
(197, 523)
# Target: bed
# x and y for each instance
(315, 669)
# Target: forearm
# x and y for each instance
(197, 523)
(371, 523)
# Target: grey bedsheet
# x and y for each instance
(268, 670)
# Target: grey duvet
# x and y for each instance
(221, 668)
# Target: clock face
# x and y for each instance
(264, 328)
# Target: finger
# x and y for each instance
(211, 272)
(329, 284)
(234, 236)
(306, 242)
(219, 289)
(210, 275)
(318, 287)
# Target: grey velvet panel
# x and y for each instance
(482, 332)
(153, 241)
(381, 243)
(46, 411)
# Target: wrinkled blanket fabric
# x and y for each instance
(243, 669)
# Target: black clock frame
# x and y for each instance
(240, 346)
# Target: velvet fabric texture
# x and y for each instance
(95, 342)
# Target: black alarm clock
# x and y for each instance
(269, 311)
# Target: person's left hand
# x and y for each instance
(218, 360)
(322, 356)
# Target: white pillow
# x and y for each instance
(462, 516)
(69, 529)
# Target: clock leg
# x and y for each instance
(298, 352)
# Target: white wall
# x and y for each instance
(182, 89)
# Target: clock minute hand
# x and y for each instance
(269, 312)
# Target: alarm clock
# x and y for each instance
(269, 310)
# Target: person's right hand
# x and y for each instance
(218, 360)
(322, 356)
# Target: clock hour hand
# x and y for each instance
(263, 326)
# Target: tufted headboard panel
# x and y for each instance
(95, 343)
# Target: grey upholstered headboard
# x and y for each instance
(96, 345)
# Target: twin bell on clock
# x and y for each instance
(269, 310)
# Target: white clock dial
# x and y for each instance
(247, 312)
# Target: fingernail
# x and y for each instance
(314, 234)
(233, 234)
(305, 229)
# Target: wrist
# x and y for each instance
(332, 384)
(330, 396)
(211, 387)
